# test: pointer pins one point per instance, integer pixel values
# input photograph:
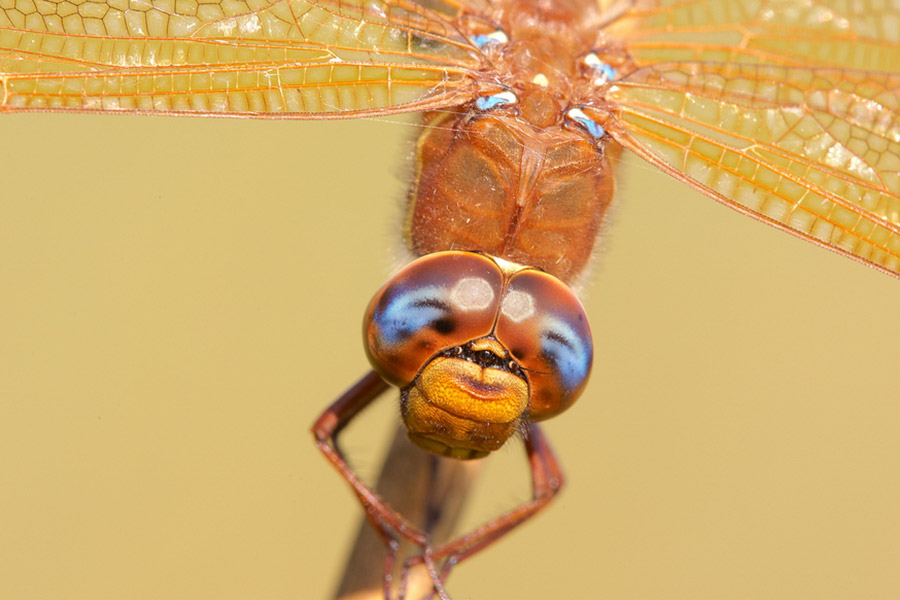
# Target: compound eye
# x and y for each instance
(546, 330)
(437, 302)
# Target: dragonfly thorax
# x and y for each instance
(494, 182)
(521, 172)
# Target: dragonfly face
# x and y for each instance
(477, 345)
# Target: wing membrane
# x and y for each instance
(813, 151)
(862, 34)
(300, 58)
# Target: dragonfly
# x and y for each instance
(786, 111)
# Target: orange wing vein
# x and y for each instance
(282, 58)
(863, 34)
(813, 151)
(786, 110)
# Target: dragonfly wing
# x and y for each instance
(863, 34)
(286, 58)
(813, 151)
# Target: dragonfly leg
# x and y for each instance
(546, 477)
(546, 481)
(386, 521)
(434, 574)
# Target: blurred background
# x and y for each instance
(180, 298)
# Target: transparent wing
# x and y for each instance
(813, 151)
(857, 34)
(298, 58)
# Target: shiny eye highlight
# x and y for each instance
(546, 329)
(439, 301)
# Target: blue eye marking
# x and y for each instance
(409, 312)
(567, 351)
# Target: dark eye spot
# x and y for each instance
(443, 326)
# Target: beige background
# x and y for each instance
(180, 298)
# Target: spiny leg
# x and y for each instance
(546, 481)
(391, 527)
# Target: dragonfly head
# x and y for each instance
(478, 346)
